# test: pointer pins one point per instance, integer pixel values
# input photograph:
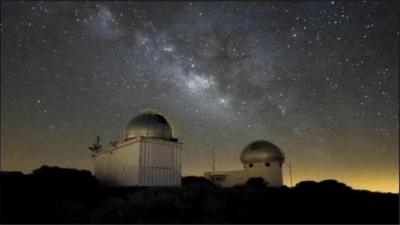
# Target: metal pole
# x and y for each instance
(213, 157)
(290, 174)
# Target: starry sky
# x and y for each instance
(317, 78)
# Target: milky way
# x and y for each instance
(318, 79)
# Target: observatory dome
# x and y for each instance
(261, 151)
(148, 124)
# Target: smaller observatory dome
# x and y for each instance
(148, 124)
(261, 151)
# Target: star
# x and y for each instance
(318, 78)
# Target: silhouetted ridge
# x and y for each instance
(55, 176)
(325, 185)
(57, 195)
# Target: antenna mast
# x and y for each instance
(213, 157)
(96, 147)
(290, 174)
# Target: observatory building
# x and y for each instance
(147, 155)
(260, 159)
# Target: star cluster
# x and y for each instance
(319, 79)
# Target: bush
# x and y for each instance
(43, 198)
(257, 182)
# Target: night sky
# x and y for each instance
(319, 79)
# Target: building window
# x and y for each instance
(267, 164)
(251, 165)
(218, 178)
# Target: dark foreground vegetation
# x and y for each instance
(55, 195)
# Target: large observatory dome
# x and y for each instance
(261, 151)
(148, 124)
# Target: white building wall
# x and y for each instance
(271, 174)
(160, 163)
(140, 162)
(120, 166)
(230, 178)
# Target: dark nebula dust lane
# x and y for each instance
(318, 79)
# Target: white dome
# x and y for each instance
(148, 124)
(261, 151)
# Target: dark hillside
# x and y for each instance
(55, 195)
